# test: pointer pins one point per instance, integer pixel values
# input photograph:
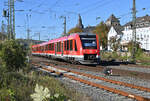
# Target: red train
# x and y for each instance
(77, 48)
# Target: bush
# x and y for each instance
(12, 55)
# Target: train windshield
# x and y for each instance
(88, 41)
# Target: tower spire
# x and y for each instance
(79, 25)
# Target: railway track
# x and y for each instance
(121, 88)
(123, 71)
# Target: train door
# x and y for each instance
(62, 51)
(55, 48)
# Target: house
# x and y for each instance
(114, 32)
(142, 32)
(112, 21)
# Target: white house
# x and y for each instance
(115, 31)
(142, 32)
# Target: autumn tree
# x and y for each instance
(75, 30)
(115, 43)
(102, 30)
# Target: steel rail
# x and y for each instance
(107, 80)
(130, 95)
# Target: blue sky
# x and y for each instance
(45, 15)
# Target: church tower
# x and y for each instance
(79, 25)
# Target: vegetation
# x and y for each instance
(141, 57)
(12, 55)
(101, 30)
(2, 36)
(114, 43)
(18, 85)
(75, 30)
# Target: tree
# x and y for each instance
(101, 30)
(2, 36)
(12, 55)
(115, 43)
(138, 51)
(75, 30)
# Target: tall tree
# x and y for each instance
(75, 30)
(102, 30)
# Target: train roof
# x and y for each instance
(71, 36)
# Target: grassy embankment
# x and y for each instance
(18, 86)
(142, 58)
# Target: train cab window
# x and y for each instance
(71, 45)
(88, 42)
(67, 44)
(75, 45)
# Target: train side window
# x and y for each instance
(40, 48)
(53, 46)
(75, 45)
(46, 48)
(67, 44)
(43, 48)
(49, 46)
(71, 45)
(57, 46)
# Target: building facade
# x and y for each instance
(142, 32)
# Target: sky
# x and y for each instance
(47, 16)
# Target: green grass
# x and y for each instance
(19, 86)
(146, 64)
(142, 58)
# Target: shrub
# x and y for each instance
(12, 55)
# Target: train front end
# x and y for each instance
(90, 49)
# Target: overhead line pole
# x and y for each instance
(64, 25)
(133, 31)
(13, 6)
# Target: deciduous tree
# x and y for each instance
(12, 55)
(75, 30)
(102, 30)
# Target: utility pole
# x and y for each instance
(133, 31)
(10, 15)
(64, 25)
(39, 36)
(13, 7)
(28, 30)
